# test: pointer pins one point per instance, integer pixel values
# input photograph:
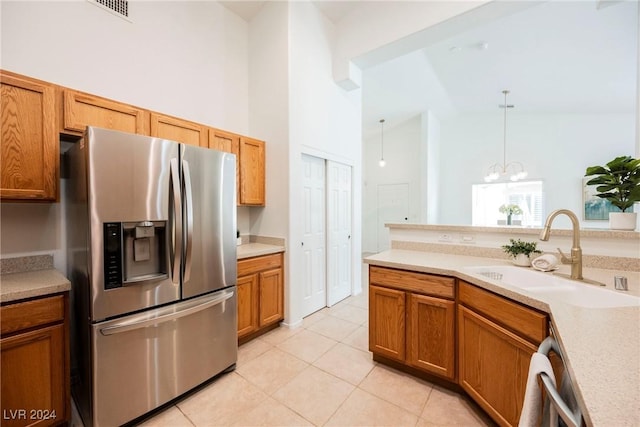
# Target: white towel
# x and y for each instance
(532, 407)
(545, 262)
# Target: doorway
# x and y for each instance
(393, 207)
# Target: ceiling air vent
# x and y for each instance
(117, 7)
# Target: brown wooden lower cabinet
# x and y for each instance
(431, 334)
(493, 365)
(416, 329)
(260, 294)
(496, 338)
(247, 304)
(35, 362)
(472, 339)
(387, 322)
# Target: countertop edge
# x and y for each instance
(32, 284)
(251, 250)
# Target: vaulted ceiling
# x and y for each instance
(556, 56)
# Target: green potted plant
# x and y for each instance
(520, 251)
(619, 183)
(510, 210)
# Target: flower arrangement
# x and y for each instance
(510, 209)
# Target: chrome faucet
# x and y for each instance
(576, 252)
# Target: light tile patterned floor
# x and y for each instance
(319, 374)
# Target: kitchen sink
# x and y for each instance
(523, 278)
(554, 287)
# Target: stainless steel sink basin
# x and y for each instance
(550, 286)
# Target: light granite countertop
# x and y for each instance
(601, 346)
(30, 284)
(249, 250)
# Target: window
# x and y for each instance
(487, 199)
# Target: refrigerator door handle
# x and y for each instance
(175, 220)
(146, 321)
(189, 220)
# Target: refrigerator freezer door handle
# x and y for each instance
(146, 322)
(189, 219)
(175, 220)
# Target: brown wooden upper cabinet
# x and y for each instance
(252, 172)
(229, 143)
(81, 110)
(224, 141)
(29, 146)
(179, 130)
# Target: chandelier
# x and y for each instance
(515, 170)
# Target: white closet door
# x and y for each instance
(314, 237)
(339, 272)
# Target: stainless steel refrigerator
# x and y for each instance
(151, 241)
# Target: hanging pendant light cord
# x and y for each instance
(498, 169)
(381, 162)
(504, 140)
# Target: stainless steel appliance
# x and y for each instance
(152, 260)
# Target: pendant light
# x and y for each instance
(382, 162)
(515, 169)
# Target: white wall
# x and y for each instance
(556, 148)
(187, 59)
(324, 122)
(269, 113)
(404, 154)
(431, 133)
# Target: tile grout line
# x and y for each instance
(186, 416)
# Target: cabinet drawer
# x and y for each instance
(411, 281)
(261, 263)
(28, 314)
(525, 321)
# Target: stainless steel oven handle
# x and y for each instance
(175, 220)
(144, 323)
(189, 223)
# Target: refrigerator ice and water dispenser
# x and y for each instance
(134, 252)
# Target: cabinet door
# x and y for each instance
(431, 334)
(178, 130)
(252, 172)
(33, 378)
(30, 143)
(387, 322)
(224, 141)
(82, 110)
(493, 364)
(247, 288)
(229, 143)
(271, 297)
